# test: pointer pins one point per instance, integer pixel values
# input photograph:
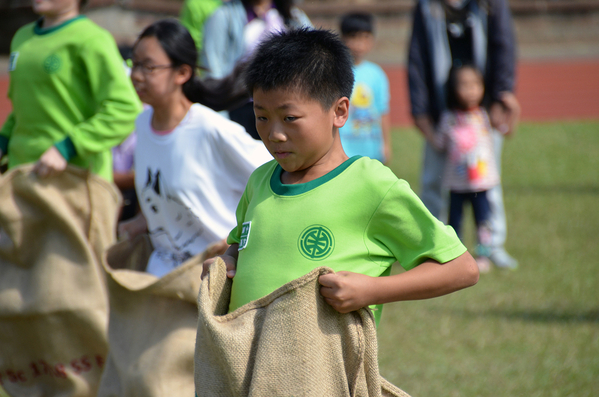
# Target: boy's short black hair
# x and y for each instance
(357, 22)
(313, 61)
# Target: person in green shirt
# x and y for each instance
(194, 14)
(71, 96)
(313, 206)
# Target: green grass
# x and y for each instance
(530, 332)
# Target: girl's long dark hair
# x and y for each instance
(219, 94)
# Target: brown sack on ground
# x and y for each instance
(152, 324)
(288, 343)
(53, 299)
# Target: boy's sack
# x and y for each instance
(53, 298)
(290, 342)
(152, 324)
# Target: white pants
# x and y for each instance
(435, 198)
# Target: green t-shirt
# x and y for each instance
(68, 88)
(359, 217)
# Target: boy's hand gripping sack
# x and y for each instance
(290, 342)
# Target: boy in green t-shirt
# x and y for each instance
(313, 206)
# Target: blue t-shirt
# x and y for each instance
(362, 133)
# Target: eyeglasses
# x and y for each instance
(145, 68)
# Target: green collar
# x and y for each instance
(293, 190)
(37, 29)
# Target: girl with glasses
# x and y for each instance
(191, 163)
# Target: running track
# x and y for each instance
(547, 90)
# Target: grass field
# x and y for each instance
(530, 332)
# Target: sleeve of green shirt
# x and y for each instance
(188, 19)
(6, 132)
(117, 102)
(235, 234)
(404, 226)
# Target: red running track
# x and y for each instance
(547, 90)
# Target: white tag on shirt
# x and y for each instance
(245, 235)
(12, 61)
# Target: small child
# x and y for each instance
(314, 206)
(368, 128)
(465, 133)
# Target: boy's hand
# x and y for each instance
(51, 163)
(129, 229)
(347, 291)
(218, 248)
(230, 261)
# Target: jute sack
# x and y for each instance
(53, 298)
(152, 324)
(288, 343)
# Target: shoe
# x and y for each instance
(503, 260)
(484, 264)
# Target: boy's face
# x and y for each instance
(301, 135)
(359, 44)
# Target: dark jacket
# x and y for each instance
(500, 65)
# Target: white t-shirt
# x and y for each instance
(189, 182)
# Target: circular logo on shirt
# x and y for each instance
(316, 242)
(52, 64)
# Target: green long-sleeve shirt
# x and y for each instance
(193, 15)
(69, 89)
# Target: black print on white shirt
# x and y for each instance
(156, 199)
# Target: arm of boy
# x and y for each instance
(230, 259)
(347, 291)
(133, 227)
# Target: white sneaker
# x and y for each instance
(503, 260)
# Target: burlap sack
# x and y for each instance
(288, 343)
(53, 298)
(152, 325)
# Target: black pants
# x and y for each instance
(480, 206)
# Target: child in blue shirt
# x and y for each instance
(367, 132)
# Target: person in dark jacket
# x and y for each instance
(450, 33)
